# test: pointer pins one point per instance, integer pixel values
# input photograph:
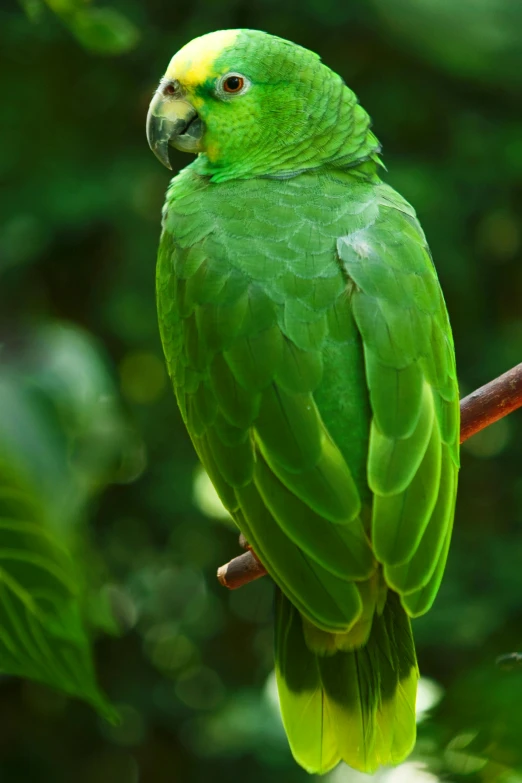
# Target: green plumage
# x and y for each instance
(312, 359)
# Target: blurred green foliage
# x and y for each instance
(100, 30)
(59, 427)
(120, 528)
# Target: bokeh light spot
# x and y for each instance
(143, 377)
(200, 689)
(491, 441)
(131, 729)
(168, 650)
(206, 498)
(429, 694)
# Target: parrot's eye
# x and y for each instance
(233, 84)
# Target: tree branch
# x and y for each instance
(477, 411)
(491, 403)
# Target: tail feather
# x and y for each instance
(358, 707)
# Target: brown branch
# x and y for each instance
(490, 403)
(241, 570)
(477, 411)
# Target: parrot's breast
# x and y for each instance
(256, 259)
(286, 307)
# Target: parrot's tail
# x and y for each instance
(357, 707)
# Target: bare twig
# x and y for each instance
(241, 570)
(477, 411)
(490, 403)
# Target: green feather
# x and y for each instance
(254, 360)
(396, 396)
(358, 707)
(229, 434)
(327, 487)
(260, 314)
(195, 424)
(420, 601)
(205, 404)
(194, 348)
(390, 330)
(218, 325)
(448, 414)
(329, 602)
(393, 462)
(237, 405)
(234, 462)
(189, 263)
(308, 721)
(341, 324)
(288, 428)
(373, 596)
(399, 521)
(305, 334)
(205, 284)
(298, 371)
(416, 572)
(342, 549)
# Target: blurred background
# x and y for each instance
(95, 466)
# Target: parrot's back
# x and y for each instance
(312, 359)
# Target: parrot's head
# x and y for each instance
(252, 104)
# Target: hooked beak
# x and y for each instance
(172, 122)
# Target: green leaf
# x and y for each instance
(41, 630)
(104, 30)
(60, 430)
(33, 9)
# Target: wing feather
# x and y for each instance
(410, 369)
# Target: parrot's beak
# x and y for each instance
(172, 122)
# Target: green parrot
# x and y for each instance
(312, 358)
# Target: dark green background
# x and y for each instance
(190, 664)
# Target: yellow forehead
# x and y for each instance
(193, 63)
